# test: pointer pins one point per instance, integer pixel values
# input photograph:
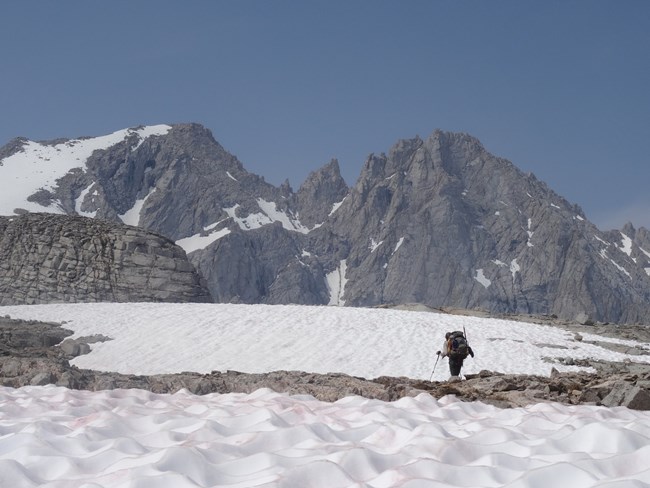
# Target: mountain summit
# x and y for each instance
(438, 221)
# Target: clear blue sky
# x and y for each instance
(560, 88)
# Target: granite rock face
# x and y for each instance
(47, 258)
(438, 221)
(441, 221)
(264, 265)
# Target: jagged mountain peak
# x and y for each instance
(443, 220)
(331, 167)
(321, 191)
(329, 171)
(449, 151)
(629, 230)
(449, 137)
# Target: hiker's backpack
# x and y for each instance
(458, 347)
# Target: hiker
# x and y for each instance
(457, 349)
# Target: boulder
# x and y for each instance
(637, 398)
(583, 319)
(42, 379)
(74, 348)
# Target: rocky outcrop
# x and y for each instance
(29, 355)
(47, 258)
(19, 337)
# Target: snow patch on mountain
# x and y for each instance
(147, 131)
(132, 216)
(480, 277)
(530, 233)
(336, 281)
(79, 201)
(212, 226)
(374, 245)
(398, 245)
(39, 165)
(514, 268)
(336, 206)
(603, 254)
(203, 240)
(269, 214)
(199, 241)
(287, 221)
(626, 244)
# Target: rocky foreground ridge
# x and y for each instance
(47, 258)
(36, 353)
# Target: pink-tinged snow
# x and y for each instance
(55, 437)
(39, 166)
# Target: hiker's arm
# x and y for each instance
(471, 353)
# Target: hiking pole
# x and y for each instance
(434, 367)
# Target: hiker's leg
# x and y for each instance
(454, 366)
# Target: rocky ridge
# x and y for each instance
(33, 353)
(46, 258)
(443, 222)
(438, 221)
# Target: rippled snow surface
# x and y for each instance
(55, 437)
(153, 338)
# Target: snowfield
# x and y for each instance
(55, 437)
(151, 338)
